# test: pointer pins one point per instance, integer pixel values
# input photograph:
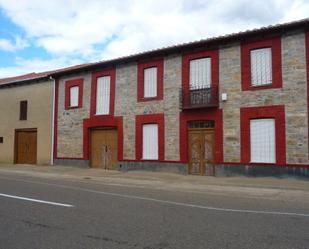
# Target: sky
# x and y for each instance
(41, 35)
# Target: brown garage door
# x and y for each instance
(26, 146)
(103, 148)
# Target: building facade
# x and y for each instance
(232, 104)
(26, 127)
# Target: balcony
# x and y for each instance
(199, 98)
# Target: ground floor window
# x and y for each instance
(150, 141)
(262, 140)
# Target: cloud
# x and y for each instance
(9, 46)
(95, 30)
(23, 66)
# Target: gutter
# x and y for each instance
(53, 120)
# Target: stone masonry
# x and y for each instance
(293, 95)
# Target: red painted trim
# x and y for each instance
(159, 64)
(56, 118)
(265, 164)
(200, 115)
(186, 58)
(140, 120)
(275, 45)
(95, 75)
(70, 158)
(157, 161)
(307, 56)
(276, 112)
(102, 121)
(70, 83)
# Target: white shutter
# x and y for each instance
(200, 73)
(261, 67)
(150, 141)
(262, 141)
(103, 95)
(150, 82)
(74, 96)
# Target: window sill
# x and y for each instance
(262, 87)
(150, 99)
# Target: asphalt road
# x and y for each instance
(62, 213)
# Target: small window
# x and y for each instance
(150, 82)
(103, 95)
(1, 140)
(262, 141)
(74, 96)
(261, 67)
(200, 73)
(201, 124)
(23, 110)
(150, 141)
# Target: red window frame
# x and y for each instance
(71, 83)
(275, 112)
(246, 47)
(159, 64)
(186, 58)
(95, 75)
(140, 120)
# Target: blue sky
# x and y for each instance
(39, 35)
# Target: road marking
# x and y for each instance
(36, 200)
(182, 204)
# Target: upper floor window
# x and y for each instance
(200, 73)
(74, 93)
(74, 96)
(261, 64)
(261, 67)
(103, 92)
(23, 110)
(103, 95)
(150, 81)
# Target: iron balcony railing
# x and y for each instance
(199, 97)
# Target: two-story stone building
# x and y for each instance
(235, 103)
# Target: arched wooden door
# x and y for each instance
(201, 151)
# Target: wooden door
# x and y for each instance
(26, 146)
(201, 151)
(104, 148)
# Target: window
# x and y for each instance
(102, 101)
(150, 141)
(261, 64)
(74, 96)
(74, 93)
(261, 67)
(103, 95)
(1, 140)
(262, 134)
(262, 141)
(23, 110)
(200, 73)
(150, 80)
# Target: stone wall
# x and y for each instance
(293, 95)
(70, 122)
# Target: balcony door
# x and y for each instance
(201, 149)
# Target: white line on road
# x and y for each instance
(182, 204)
(35, 200)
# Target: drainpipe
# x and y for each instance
(53, 120)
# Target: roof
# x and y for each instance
(214, 41)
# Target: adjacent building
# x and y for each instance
(231, 104)
(26, 127)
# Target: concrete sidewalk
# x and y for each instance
(263, 186)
